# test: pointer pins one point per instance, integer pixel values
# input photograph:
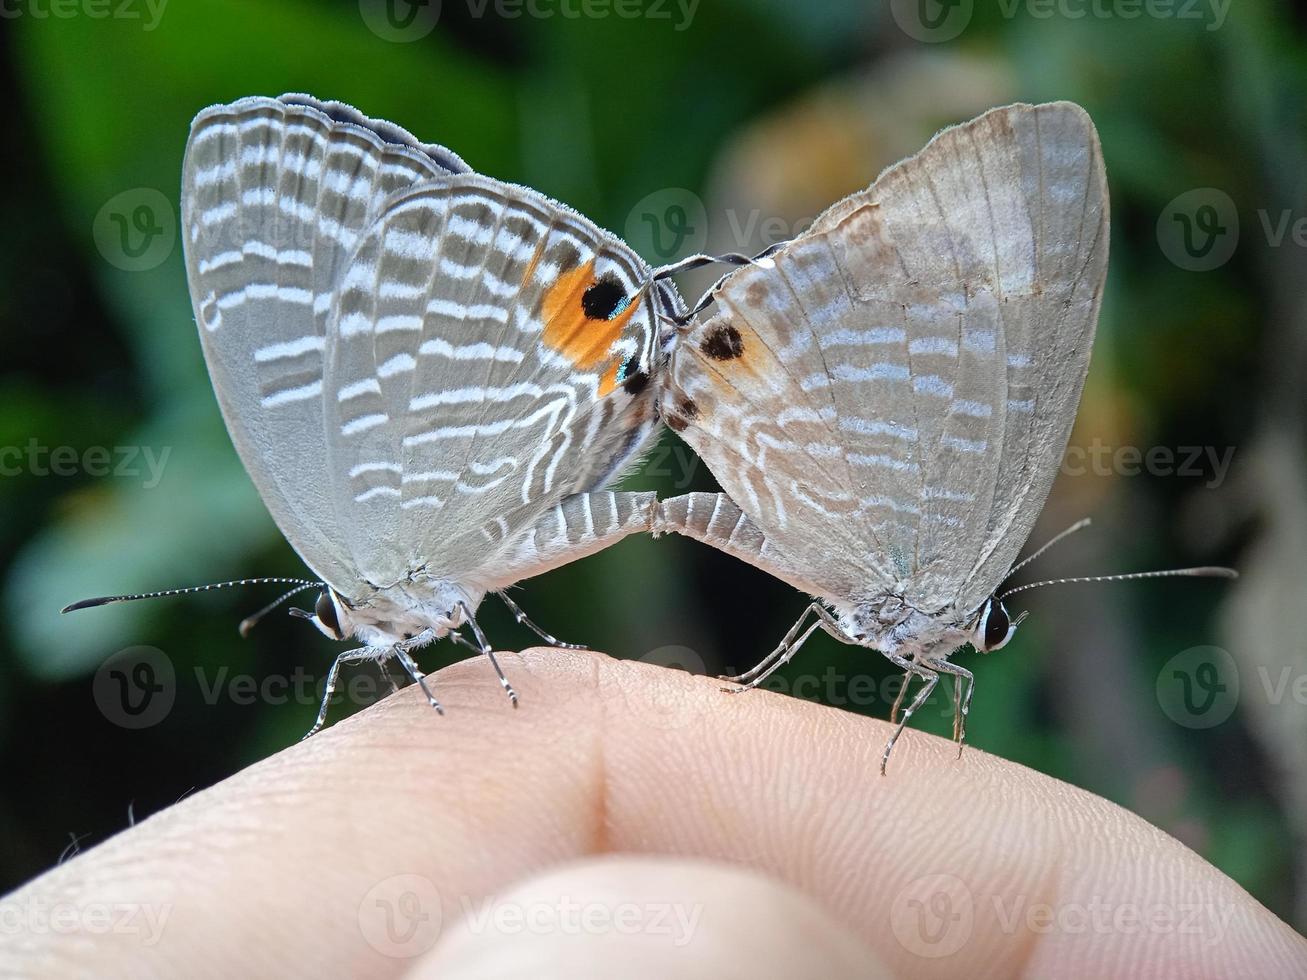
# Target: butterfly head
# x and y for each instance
(330, 615)
(993, 626)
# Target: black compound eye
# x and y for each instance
(604, 300)
(325, 610)
(996, 624)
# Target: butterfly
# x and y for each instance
(886, 399)
(430, 375)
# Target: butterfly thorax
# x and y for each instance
(406, 609)
(893, 625)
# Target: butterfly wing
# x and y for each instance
(888, 398)
(275, 193)
(490, 355)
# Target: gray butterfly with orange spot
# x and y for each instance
(430, 375)
(886, 399)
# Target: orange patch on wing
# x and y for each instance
(583, 341)
(608, 383)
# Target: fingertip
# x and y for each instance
(648, 918)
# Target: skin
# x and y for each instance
(632, 820)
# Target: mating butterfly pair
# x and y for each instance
(432, 376)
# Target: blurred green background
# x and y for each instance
(725, 125)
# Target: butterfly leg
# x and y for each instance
(525, 620)
(390, 678)
(484, 647)
(768, 663)
(930, 679)
(961, 703)
(764, 670)
(789, 646)
(348, 657)
(898, 701)
(401, 651)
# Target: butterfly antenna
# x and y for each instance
(1205, 571)
(700, 260)
(252, 620)
(105, 600)
(1079, 525)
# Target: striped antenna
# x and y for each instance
(1079, 525)
(701, 259)
(105, 600)
(252, 620)
(1203, 571)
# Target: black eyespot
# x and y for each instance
(604, 299)
(723, 344)
(631, 378)
(636, 383)
(326, 613)
(996, 624)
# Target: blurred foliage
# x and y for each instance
(770, 105)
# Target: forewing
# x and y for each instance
(491, 354)
(275, 193)
(936, 328)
